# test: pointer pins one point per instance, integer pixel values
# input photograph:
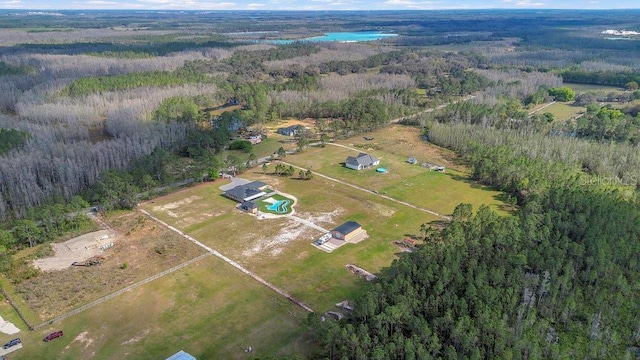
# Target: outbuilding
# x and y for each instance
(181, 355)
(350, 231)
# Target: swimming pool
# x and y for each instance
(280, 206)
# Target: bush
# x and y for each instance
(244, 145)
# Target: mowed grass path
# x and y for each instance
(439, 192)
(208, 309)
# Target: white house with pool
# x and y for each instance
(258, 198)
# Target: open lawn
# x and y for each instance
(562, 111)
(280, 250)
(208, 309)
(440, 192)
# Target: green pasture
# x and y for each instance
(208, 309)
(562, 111)
(417, 185)
(265, 148)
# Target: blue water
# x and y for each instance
(280, 206)
(340, 37)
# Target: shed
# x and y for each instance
(347, 231)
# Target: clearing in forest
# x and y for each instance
(416, 184)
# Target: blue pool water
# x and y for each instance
(280, 206)
(341, 37)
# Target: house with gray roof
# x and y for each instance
(362, 161)
(292, 130)
(247, 192)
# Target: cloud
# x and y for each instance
(99, 2)
(256, 5)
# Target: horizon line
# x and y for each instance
(316, 10)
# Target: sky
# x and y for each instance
(315, 4)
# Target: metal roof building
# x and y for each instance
(181, 355)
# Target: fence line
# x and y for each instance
(16, 308)
(118, 292)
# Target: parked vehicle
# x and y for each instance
(53, 335)
(11, 343)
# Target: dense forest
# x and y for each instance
(107, 108)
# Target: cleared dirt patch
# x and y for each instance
(274, 245)
(143, 249)
(76, 249)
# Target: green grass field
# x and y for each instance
(267, 147)
(208, 309)
(280, 249)
(562, 111)
(440, 192)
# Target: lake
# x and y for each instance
(343, 37)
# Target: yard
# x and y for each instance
(280, 249)
(562, 111)
(208, 309)
(436, 191)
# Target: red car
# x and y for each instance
(53, 335)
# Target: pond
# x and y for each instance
(343, 37)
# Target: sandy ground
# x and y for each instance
(76, 249)
(175, 205)
(7, 327)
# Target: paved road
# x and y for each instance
(370, 192)
(231, 262)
